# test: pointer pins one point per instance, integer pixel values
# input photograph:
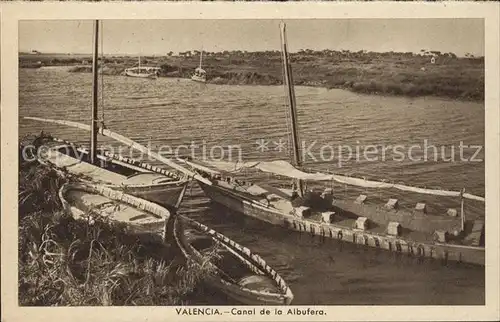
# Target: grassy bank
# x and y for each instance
(364, 72)
(67, 262)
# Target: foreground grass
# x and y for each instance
(364, 72)
(73, 263)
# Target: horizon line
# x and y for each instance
(244, 51)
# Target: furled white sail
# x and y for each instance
(128, 142)
(284, 168)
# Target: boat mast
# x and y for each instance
(462, 213)
(201, 57)
(291, 97)
(95, 97)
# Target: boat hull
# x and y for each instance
(151, 76)
(446, 252)
(254, 262)
(198, 79)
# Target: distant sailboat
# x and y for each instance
(200, 75)
(142, 71)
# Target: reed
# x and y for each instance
(65, 262)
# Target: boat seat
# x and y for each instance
(441, 236)
(394, 228)
(391, 204)
(421, 206)
(361, 223)
(327, 217)
(360, 199)
(452, 212)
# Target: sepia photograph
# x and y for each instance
(252, 167)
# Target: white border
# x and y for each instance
(11, 13)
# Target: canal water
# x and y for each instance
(250, 122)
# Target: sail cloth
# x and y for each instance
(279, 167)
(127, 141)
(284, 168)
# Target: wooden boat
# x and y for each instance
(257, 282)
(86, 201)
(139, 179)
(163, 187)
(200, 75)
(234, 270)
(327, 216)
(142, 71)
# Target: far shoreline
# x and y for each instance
(68, 67)
(384, 74)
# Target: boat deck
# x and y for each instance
(109, 208)
(110, 174)
(416, 236)
(76, 166)
(280, 201)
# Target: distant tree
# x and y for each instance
(166, 68)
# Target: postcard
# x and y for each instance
(250, 161)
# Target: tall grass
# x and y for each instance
(65, 262)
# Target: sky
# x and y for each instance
(157, 37)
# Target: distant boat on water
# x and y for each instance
(142, 71)
(200, 75)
